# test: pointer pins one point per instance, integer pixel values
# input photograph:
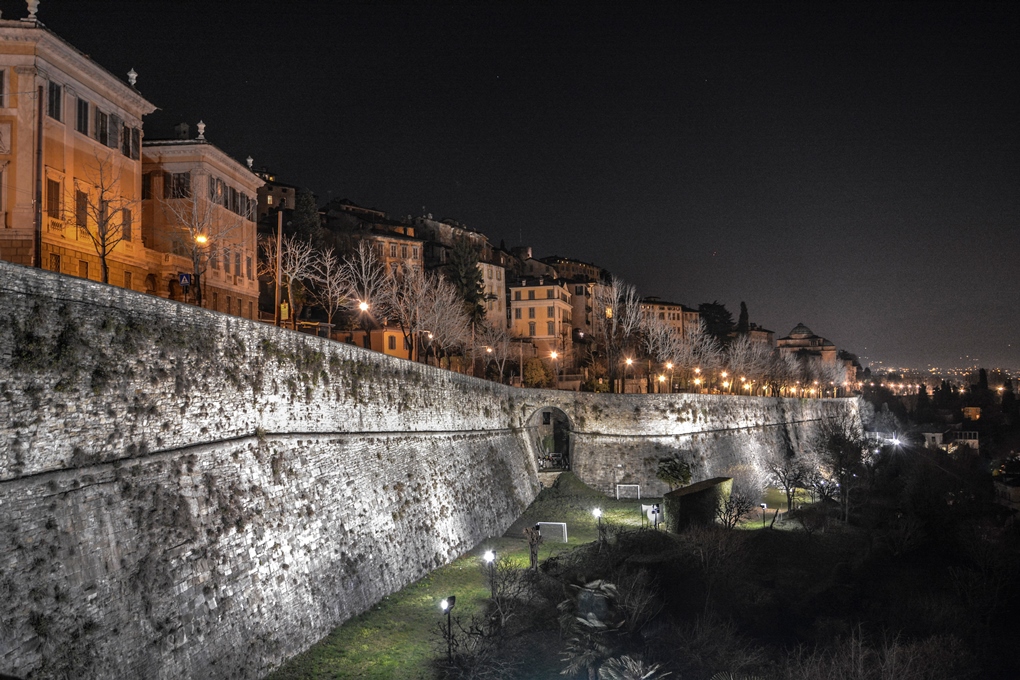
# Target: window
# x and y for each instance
(531, 312)
(517, 295)
(531, 328)
(53, 198)
(54, 262)
(517, 313)
(403, 252)
(269, 199)
(55, 101)
(102, 130)
(213, 196)
(125, 221)
(531, 295)
(136, 144)
(247, 266)
(414, 252)
(550, 312)
(2, 73)
(146, 186)
(499, 274)
(550, 328)
(578, 290)
(115, 129)
(83, 269)
(662, 316)
(125, 141)
(127, 280)
(214, 258)
(82, 123)
(81, 209)
(391, 342)
(237, 263)
(176, 185)
(230, 304)
(226, 261)
(216, 301)
(393, 250)
(551, 293)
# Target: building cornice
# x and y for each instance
(55, 51)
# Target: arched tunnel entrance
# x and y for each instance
(551, 438)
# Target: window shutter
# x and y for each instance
(114, 132)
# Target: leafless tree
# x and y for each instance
(615, 321)
(369, 284)
(841, 446)
(331, 289)
(443, 317)
(660, 340)
(199, 230)
(787, 472)
(699, 353)
(297, 265)
(498, 343)
(101, 210)
(407, 296)
(730, 511)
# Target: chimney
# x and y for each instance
(182, 130)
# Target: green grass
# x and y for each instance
(397, 637)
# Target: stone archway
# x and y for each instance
(551, 435)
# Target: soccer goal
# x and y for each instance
(628, 491)
(553, 531)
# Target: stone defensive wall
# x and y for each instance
(189, 494)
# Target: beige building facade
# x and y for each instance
(199, 210)
(76, 203)
(541, 311)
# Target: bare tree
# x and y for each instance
(331, 290)
(101, 211)
(498, 343)
(841, 447)
(369, 284)
(698, 352)
(786, 472)
(730, 511)
(297, 265)
(615, 321)
(443, 317)
(660, 340)
(198, 229)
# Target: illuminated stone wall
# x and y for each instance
(189, 494)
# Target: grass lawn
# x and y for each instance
(397, 637)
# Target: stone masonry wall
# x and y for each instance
(189, 494)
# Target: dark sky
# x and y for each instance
(850, 166)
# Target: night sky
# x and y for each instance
(853, 167)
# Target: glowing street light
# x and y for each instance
(554, 355)
(201, 239)
(363, 306)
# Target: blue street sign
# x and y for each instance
(184, 279)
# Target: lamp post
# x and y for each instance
(554, 355)
(763, 509)
(447, 606)
(626, 370)
(662, 381)
(597, 513)
(490, 559)
(669, 365)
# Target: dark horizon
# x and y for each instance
(850, 167)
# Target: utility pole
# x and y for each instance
(279, 259)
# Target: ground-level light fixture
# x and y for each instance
(490, 559)
(447, 606)
(763, 509)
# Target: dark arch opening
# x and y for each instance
(551, 437)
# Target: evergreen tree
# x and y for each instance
(306, 221)
(742, 323)
(462, 271)
(718, 320)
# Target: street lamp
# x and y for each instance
(629, 362)
(554, 355)
(447, 606)
(662, 379)
(490, 559)
(669, 365)
(597, 513)
(763, 509)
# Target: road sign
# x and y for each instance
(184, 279)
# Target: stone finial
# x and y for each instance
(249, 160)
(132, 77)
(33, 7)
(201, 130)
